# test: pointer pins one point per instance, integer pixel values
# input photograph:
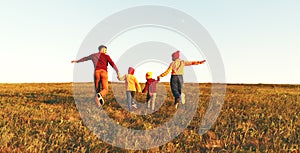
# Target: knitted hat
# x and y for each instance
(175, 55)
(130, 70)
(149, 75)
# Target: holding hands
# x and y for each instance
(118, 76)
(158, 78)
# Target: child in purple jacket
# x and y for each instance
(150, 88)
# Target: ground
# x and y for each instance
(40, 117)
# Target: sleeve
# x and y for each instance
(146, 87)
(90, 57)
(188, 63)
(137, 85)
(112, 64)
(167, 71)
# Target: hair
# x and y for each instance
(102, 46)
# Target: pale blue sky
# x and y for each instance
(259, 40)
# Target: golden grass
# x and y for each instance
(254, 118)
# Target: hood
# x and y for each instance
(131, 70)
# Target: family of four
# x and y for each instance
(101, 60)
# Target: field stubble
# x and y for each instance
(43, 117)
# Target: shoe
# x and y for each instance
(182, 96)
(176, 105)
(100, 98)
(134, 106)
(98, 105)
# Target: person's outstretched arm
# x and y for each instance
(83, 59)
(166, 72)
(188, 63)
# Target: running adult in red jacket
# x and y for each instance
(100, 61)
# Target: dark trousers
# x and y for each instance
(130, 99)
(148, 97)
(176, 84)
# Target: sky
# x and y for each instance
(259, 41)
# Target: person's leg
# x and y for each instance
(133, 104)
(97, 87)
(104, 83)
(97, 80)
(153, 100)
(174, 87)
(182, 95)
(128, 98)
(148, 100)
(180, 83)
(132, 96)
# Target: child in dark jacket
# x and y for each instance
(150, 88)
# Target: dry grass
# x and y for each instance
(254, 118)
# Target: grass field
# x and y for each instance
(254, 118)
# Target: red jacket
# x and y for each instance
(150, 86)
(100, 61)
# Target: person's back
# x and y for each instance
(150, 88)
(176, 80)
(177, 67)
(131, 82)
(132, 85)
(100, 61)
(151, 85)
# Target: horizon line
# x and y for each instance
(232, 83)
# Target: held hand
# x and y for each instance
(74, 61)
(118, 76)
